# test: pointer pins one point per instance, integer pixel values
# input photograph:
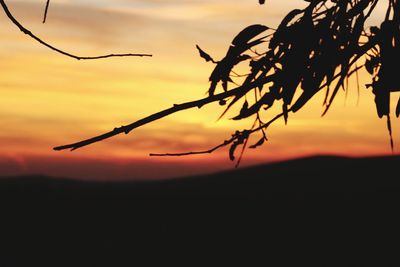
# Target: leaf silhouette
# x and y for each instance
(389, 127)
(369, 66)
(301, 101)
(204, 55)
(232, 150)
(222, 70)
(382, 100)
(240, 138)
(372, 64)
(244, 107)
(398, 109)
(248, 33)
(259, 143)
(285, 113)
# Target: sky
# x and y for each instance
(48, 99)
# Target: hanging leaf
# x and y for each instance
(244, 107)
(225, 85)
(369, 67)
(241, 138)
(259, 143)
(204, 55)
(213, 86)
(398, 109)
(283, 29)
(266, 100)
(285, 113)
(232, 150)
(371, 64)
(389, 127)
(382, 102)
(262, 2)
(301, 101)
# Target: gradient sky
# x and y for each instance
(48, 99)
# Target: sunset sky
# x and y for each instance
(48, 99)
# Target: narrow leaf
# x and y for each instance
(244, 107)
(232, 151)
(204, 55)
(259, 143)
(285, 113)
(389, 126)
(398, 109)
(248, 33)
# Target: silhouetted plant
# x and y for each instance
(313, 49)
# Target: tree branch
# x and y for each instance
(225, 143)
(164, 113)
(29, 33)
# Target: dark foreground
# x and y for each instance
(315, 211)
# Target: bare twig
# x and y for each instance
(45, 11)
(156, 116)
(242, 153)
(209, 151)
(29, 33)
(225, 143)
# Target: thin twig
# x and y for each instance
(242, 153)
(45, 11)
(225, 143)
(209, 151)
(29, 33)
(166, 112)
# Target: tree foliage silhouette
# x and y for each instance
(314, 49)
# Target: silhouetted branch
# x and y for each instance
(209, 151)
(29, 33)
(45, 11)
(126, 129)
(234, 138)
(176, 108)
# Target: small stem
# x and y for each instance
(29, 33)
(45, 11)
(227, 142)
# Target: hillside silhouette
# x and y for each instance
(326, 200)
(319, 174)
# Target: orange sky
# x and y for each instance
(48, 100)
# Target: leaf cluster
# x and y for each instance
(313, 49)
